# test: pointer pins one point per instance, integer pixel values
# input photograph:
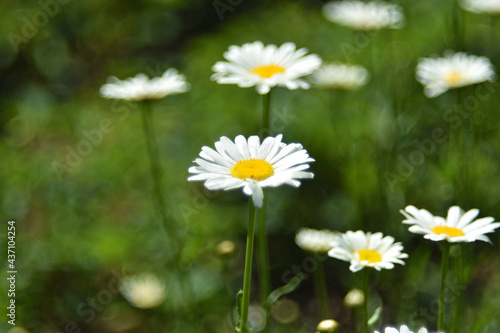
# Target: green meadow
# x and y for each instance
(75, 171)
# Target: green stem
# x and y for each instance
(262, 246)
(336, 110)
(366, 291)
(71, 123)
(227, 283)
(467, 166)
(248, 268)
(493, 36)
(460, 274)
(263, 254)
(321, 290)
(266, 106)
(455, 151)
(442, 291)
(153, 159)
(466, 135)
(457, 28)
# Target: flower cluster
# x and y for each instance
(253, 164)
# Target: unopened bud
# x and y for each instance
(354, 298)
(225, 249)
(327, 326)
(18, 330)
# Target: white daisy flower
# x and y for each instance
(402, 329)
(367, 250)
(140, 88)
(254, 64)
(360, 15)
(143, 291)
(491, 7)
(313, 240)
(251, 165)
(454, 70)
(459, 226)
(340, 76)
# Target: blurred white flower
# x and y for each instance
(141, 88)
(254, 64)
(340, 76)
(313, 240)
(454, 70)
(459, 226)
(251, 165)
(402, 329)
(366, 16)
(491, 7)
(366, 250)
(143, 291)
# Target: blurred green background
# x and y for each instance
(81, 227)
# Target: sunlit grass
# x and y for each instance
(79, 229)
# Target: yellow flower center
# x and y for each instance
(371, 256)
(266, 71)
(454, 77)
(450, 231)
(255, 169)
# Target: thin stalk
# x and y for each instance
(366, 291)
(337, 110)
(442, 292)
(152, 150)
(71, 123)
(263, 254)
(247, 276)
(464, 177)
(460, 275)
(457, 28)
(468, 153)
(262, 246)
(226, 273)
(321, 290)
(371, 35)
(394, 86)
(493, 40)
(455, 151)
(266, 106)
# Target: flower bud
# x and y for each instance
(354, 298)
(327, 326)
(225, 249)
